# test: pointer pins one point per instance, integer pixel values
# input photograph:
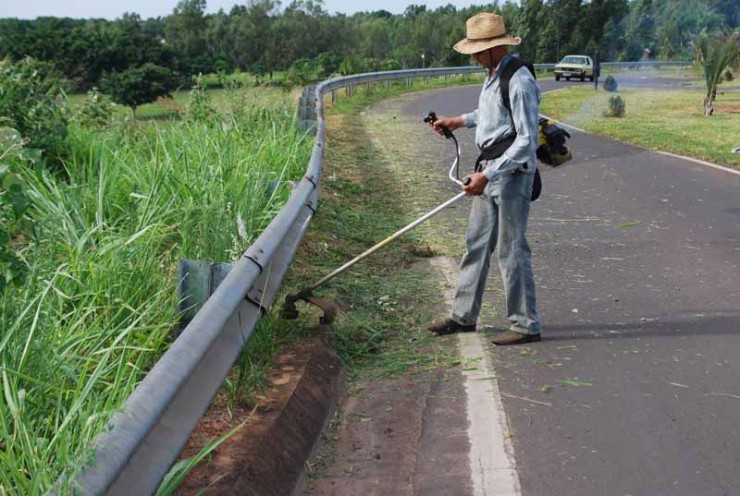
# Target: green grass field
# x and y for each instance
(659, 120)
(221, 99)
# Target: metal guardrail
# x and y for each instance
(646, 64)
(650, 64)
(146, 437)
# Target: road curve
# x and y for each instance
(634, 389)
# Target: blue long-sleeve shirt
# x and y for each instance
(493, 121)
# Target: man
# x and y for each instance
(502, 187)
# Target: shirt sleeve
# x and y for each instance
(470, 119)
(525, 98)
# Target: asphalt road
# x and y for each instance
(635, 388)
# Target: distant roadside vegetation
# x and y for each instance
(299, 38)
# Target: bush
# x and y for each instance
(199, 106)
(610, 84)
(32, 102)
(352, 65)
(616, 107)
(14, 225)
(302, 72)
(390, 65)
(96, 110)
(728, 76)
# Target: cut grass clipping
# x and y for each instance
(386, 297)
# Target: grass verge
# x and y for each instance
(659, 120)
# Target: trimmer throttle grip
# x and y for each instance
(431, 118)
(466, 181)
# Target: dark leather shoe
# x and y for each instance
(449, 326)
(511, 337)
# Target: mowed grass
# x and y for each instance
(660, 120)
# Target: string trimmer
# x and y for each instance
(306, 294)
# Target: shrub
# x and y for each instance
(728, 76)
(96, 110)
(14, 225)
(32, 102)
(302, 72)
(390, 65)
(610, 84)
(199, 107)
(616, 107)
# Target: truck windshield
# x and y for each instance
(574, 60)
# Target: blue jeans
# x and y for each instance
(498, 217)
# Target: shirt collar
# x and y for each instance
(499, 68)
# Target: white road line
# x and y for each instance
(701, 162)
(492, 463)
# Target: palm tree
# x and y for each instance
(713, 55)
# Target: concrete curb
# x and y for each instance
(278, 468)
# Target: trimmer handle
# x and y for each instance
(431, 117)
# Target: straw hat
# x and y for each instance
(484, 31)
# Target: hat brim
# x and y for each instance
(469, 47)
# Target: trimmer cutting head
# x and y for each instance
(290, 310)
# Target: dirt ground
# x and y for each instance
(234, 458)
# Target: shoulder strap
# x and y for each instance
(511, 67)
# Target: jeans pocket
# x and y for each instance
(516, 183)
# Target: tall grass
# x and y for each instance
(100, 298)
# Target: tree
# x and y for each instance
(186, 33)
(714, 54)
(139, 85)
(529, 26)
(639, 30)
(678, 24)
(596, 15)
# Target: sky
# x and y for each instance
(112, 9)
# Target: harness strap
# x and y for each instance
(494, 151)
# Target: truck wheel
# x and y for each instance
(591, 78)
(557, 77)
(583, 78)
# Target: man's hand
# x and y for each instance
(477, 184)
(450, 123)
